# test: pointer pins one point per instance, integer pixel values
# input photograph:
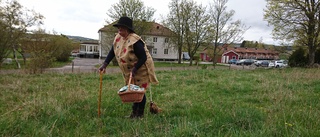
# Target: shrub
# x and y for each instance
(63, 47)
(298, 58)
(39, 61)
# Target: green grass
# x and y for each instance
(13, 65)
(208, 102)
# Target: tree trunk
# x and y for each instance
(311, 55)
(16, 58)
(179, 54)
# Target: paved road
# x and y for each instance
(90, 65)
(87, 65)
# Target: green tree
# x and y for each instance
(298, 58)
(296, 20)
(38, 46)
(197, 28)
(15, 19)
(176, 21)
(225, 30)
(190, 24)
(62, 47)
(136, 10)
(45, 48)
(4, 39)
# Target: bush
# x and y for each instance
(298, 58)
(63, 47)
(39, 62)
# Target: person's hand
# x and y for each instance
(103, 67)
(133, 72)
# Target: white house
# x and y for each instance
(157, 39)
(89, 49)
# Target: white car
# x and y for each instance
(240, 62)
(279, 64)
(271, 64)
(258, 62)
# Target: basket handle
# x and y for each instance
(130, 78)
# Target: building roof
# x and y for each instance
(241, 50)
(251, 50)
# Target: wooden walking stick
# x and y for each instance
(99, 102)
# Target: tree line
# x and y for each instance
(295, 23)
(193, 25)
(16, 38)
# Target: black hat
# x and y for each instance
(126, 22)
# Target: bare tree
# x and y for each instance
(225, 30)
(296, 21)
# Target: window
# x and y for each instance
(166, 40)
(166, 51)
(82, 48)
(154, 51)
(155, 39)
(95, 49)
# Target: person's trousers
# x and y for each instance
(139, 107)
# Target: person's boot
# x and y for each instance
(140, 112)
(134, 112)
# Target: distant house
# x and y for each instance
(242, 53)
(157, 39)
(89, 49)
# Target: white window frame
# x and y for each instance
(154, 51)
(166, 51)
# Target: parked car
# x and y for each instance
(232, 61)
(271, 64)
(264, 63)
(258, 62)
(280, 63)
(248, 61)
(285, 63)
(240, 62)
(185, 56)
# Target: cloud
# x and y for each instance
(86, 17)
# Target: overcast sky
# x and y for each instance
(85, 17)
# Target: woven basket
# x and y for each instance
(130, 96)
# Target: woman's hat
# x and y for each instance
(126, 22)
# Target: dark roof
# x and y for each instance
(251, 50)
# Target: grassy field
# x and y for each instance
(13, 65)
(220, 102)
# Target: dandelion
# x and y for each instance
(288, 124)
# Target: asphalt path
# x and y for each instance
(84, 65)
(88, 65)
